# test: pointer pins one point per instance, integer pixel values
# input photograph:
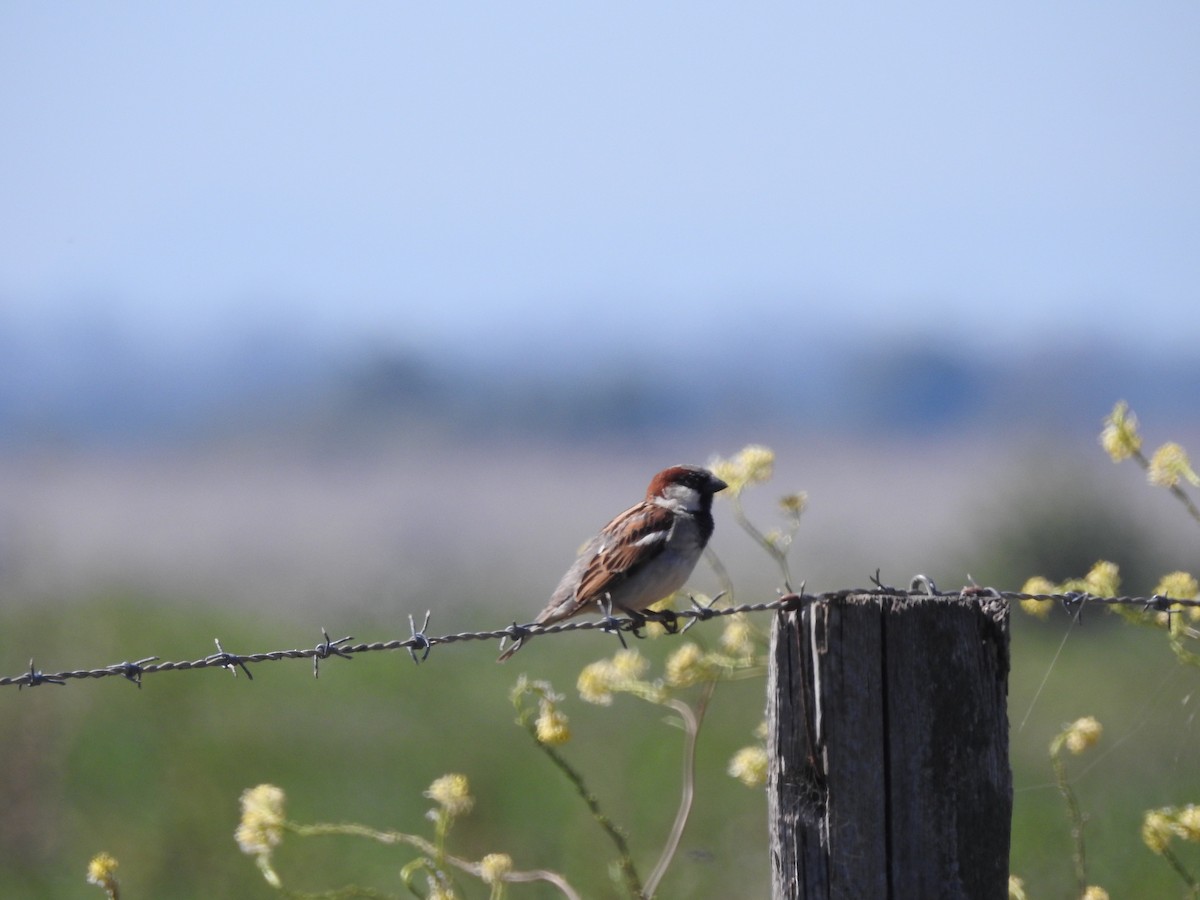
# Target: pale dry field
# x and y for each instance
(404, 525)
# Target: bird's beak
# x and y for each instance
(717, 483)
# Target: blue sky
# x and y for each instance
(491, 175)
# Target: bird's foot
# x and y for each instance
(667, 618)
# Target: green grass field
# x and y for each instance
(153, 775)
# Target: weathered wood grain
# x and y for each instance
(888, 736)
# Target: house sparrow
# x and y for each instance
(644, 554)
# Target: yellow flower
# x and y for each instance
(738, 637)
(629, 665)
(758, 462)
(595, 683)
(1156, 830)
(1119, 437)
(622, 674)
(494, 867)
(102, 872)
(749, 766)
(686, 666)
(452, 793)
(1016, 888)
(1178, 585)
(1094, 892)
(1082, 734)
(261, 828)
(552, 727)
(753, 464)
(1038, 585)
(1170, 463)
(1188, 823)
(1104, 579)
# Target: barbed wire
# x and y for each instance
(419, 644)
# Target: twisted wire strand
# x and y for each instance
(420, 644)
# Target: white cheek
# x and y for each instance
(682, 497)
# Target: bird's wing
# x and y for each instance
(628, 542)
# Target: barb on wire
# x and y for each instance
(922, 584)
(877, 580)
(1159, 603)
(228, 660)
(326, 649)
(34, 677)
(132, 670)
(420, 643)
(702, 613)
(418, 639)
(613, 625)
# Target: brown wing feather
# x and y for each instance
(620, 551)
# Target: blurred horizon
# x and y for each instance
(95, 383)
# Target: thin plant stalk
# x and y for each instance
(779, 555)
(1078, 856)
(430, 849)
(633, 882)
(691, 725)
(1175, 489)
(1182, 871)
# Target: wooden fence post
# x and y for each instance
(888, 738)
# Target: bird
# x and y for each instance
(643, 555)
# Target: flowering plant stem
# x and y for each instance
(775, 552)
(1178, 492)
(1073, 813)
(426, 847)
(633, 883)
(1181, 870)
(691, 726)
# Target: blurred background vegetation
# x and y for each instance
(156, 547)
